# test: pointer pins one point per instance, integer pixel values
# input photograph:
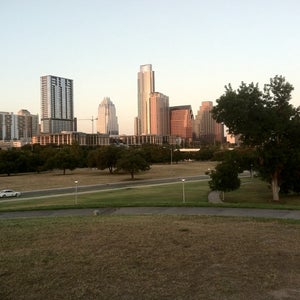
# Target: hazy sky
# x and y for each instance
(196, 47)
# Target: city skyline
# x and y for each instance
(195, 47)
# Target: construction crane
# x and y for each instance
(92, 119)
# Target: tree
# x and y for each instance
(225, 177)
(177, 156)
(205, 153)
(63, 159)
(132, 161)
(8, 160)
(265, 120)
(105, 157)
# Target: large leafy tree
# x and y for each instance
(64, 159)
(266, 121)
(225, 177)
(133, 161)
(8, 161)
(105, 157)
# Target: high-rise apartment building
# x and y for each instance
(22, 126)
(206, 129)
(28, 124)
(107, 122)
(159, 114)
(57, 111)
(181, 122)
(146, 86)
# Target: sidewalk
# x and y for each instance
(198, 211)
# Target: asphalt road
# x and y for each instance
(211, 211)
(102, 187)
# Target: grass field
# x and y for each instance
(146, 257)
(56, 179)
(149, 257)
(253, 193)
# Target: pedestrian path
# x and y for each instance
(198, 211)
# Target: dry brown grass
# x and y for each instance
(143, 257)
(55, 179)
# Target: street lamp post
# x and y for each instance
(76, 190)
(183, 191)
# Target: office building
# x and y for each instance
(107, 122)
(146, 86)
(159, 114)
(69, 138)
(205, 128)
(181, 122)
(57, 112)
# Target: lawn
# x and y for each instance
(149, 257)
(253, 193)
(85, 176)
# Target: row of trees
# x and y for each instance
(65, 158)
(36, 158)
(269, 126)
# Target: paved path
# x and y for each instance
(214, 197)
(199, 211)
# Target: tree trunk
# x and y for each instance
(132, 175)
(275, 186)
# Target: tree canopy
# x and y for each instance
(267, 121)
(225, 177)
(105, 157)
(133, 161)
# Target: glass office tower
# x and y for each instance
(145, 88)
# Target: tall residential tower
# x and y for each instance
(145, 88)
(57, 112)
(159, 114)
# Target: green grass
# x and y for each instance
(252, 194)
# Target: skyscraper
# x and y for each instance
(205, 128)
(22, 126)
(146, 86)
(107, 120)
(159, 114)
(57, 112)
(28, 124)
(181, 118)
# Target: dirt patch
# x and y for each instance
(149, 257)
(85, 176)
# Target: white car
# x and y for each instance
(9, 193)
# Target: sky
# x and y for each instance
(196, 47)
